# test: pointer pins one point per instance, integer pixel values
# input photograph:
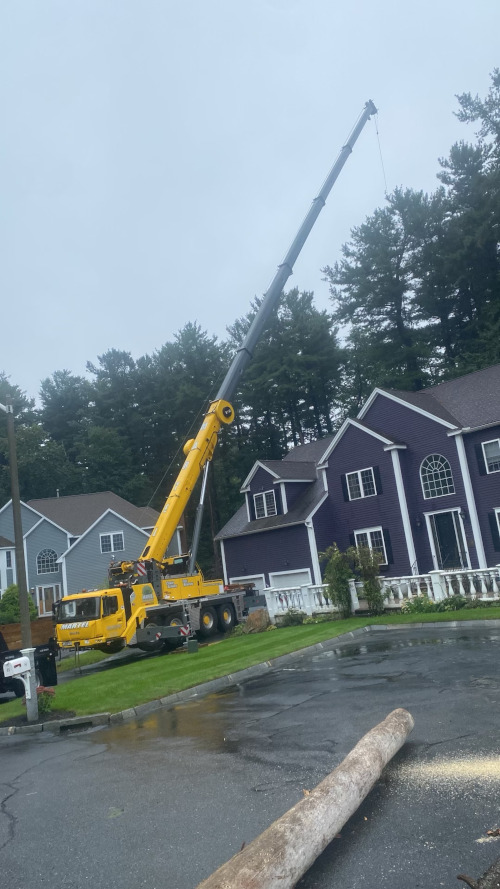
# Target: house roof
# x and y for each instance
(299, 471)
(469, 401)
(75, 513)
(239, 525)
(311, 452)
(4, 542)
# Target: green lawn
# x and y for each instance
(148, 679)
(85, 658)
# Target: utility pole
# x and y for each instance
(27, 648)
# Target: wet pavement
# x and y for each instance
(162, 801)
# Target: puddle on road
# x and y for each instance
(202, 721)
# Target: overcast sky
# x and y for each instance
(157, 157)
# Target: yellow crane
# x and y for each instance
(159, 600)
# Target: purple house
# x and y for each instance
(416, 476)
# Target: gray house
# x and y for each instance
(416, 476)
(70, 541)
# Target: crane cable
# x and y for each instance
(380, 153)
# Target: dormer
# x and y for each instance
(272, 487)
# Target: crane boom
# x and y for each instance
(200, 450)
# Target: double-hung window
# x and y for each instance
(112, 543)
(491, 450)
(373, 538)
(265, 504)
(361, 484)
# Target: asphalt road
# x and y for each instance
(161, 802)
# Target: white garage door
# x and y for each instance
(284, 579)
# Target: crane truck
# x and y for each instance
(160, 600)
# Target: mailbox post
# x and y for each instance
(32, 700)
(23, 668)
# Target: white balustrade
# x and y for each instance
(312, 599)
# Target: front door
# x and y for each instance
(447, 541)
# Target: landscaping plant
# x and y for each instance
(338, 572)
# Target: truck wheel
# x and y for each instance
(157, 645)
(172, 644)
(226, 618)
(18, 688)
(208, 621)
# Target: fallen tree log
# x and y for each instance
(280, 856)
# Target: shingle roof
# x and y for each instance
(238, 524)
(300, 472)
(311, 452)
(77, 512)
(5, 542)
(472, 400)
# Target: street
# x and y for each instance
(163, 801)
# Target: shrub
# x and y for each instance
(452, 603)
(337, 575)
(10, 612)
(366, 563)
(418, 605)
(292, 618)
(45, 696)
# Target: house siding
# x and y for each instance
(283, 549)
(87, 567)
(486, 489)
(28, 520)
(293, 490)
(423, 436)
(44, 536)
(359, 450)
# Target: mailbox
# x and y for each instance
(16, 667)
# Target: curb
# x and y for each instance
(80, 723)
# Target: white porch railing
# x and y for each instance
(308, 599)
(437, 585)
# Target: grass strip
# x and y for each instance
(86, 658)
(131, 684)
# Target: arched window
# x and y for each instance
(46, 562)
(436, 477)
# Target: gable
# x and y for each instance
(380, 401)
(29, 518)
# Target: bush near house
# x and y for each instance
(10, 612)
(338, 572)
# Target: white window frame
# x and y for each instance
(360, 483)
(40, 597)
(8, 558)
(436, 496)
(264, 495)
(368, 532)
(497, 513)
(112, 535)
(483, 443)
(52, 570)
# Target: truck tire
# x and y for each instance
(172, 644)
(18, 688)
(208, 622)
(226, 617)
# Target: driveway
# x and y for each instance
(162, 801)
